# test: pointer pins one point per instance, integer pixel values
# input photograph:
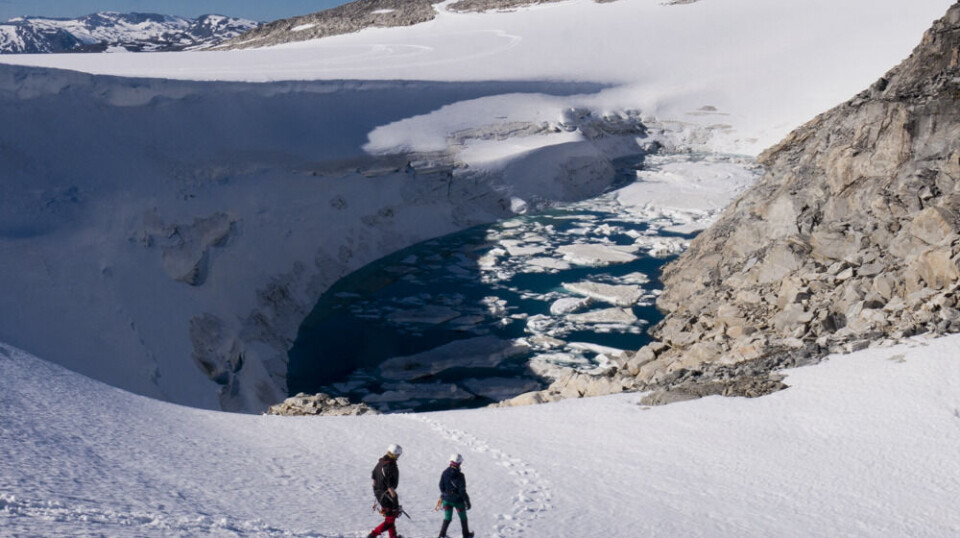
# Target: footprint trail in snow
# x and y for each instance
(533, 499)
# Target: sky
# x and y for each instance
(249, 9)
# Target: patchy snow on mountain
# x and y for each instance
(110, 32)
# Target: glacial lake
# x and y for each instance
(484, 314)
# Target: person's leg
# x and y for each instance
(462, 514)
(391, 521)
(388, 525)
(447, 516)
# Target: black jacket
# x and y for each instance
(385, 475)
(453, 486)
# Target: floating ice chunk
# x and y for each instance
(468, 321)
(495, 305)
(518, 248)
(625, 295)
(606, 315)
(555, 365)
(539, 324)
(548, 263)
(480, 352)
(660, 247)
(500, 388)
(606, 229)
(518, 206)
(491, 258)
(535, 238)
(635, 278)
(410, 260)
(600, 350)
(568, 305)
(428, 315)
(545, 342)
(403, 392)
(597, 255)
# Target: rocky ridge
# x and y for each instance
(362, 14)
(851, 239)
(344, 19)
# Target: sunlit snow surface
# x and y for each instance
(862, 445)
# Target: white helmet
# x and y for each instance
(395, 450)
(456, 458)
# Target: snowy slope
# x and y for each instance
(159, 235)
(117, 32)
(766, 66)
(860, 446)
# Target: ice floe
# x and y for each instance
(618, 295)
(480, 352)
(597, 255)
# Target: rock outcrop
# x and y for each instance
(319, 404)
(850, 239)
(344, 19)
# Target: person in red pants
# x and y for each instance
(386, 478)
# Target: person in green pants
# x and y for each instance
(453, 495)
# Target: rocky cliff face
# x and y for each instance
(851, 239)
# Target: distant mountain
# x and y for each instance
(108, 32)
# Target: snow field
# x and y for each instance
(860, 445)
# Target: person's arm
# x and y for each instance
(393, 480)
(461, 484)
